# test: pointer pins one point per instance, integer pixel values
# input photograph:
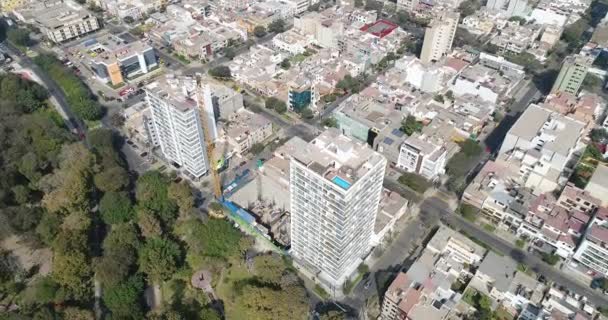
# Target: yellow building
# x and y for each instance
(9, 5)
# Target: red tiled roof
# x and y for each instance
(599, 233)
(456, 64)
(576, 225)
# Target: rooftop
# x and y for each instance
(563, 132)
(600, 176)
(338, 158)
(444, 235)
(500, 268)
(180, 91)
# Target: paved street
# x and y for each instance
(438, 207)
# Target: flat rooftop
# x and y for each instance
(54, 14)
(337, 157)
(380, 28)
(180, 91)
(109, 48)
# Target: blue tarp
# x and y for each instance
(239, 212)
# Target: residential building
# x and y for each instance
(573, 198)
(226, 101)
(593, 250)
(498, 277)
(426, 290)
(540, 144)
(174, 104)
(244, 129)
(422, 156)
(10, 5)
(139, 125)
(407, 5)
(573, 72)
(448, 242)
(438, 36)
(59, 21)
(335, 186)
(598, 184)
(509, 8)
(114, 61)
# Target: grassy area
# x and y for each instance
(525, 269)
(297, 58)
(225, 289)
(415, 182)
(93, 124)
(488, 227)
(182, 58)
(468, 211)
(321, 292)
(502, 314)
(469, 296)
(349, 285)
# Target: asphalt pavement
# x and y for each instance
(440, 208)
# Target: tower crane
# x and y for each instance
(210, 146)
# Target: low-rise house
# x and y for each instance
(540, 144)
(422, 155)
(244, 129)
(598, 184)
(59, 21)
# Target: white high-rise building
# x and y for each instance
(336, 185)
(509, 8)
(438, 36)
(175, 112)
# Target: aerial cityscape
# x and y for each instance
(304, 159)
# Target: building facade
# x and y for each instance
(335, 188)
(423, 157)
(509, 8)
(115, 64)
(175, 113)
(438, 37)
(571, 76)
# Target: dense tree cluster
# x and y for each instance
(80, 98)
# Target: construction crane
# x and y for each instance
(210, 146)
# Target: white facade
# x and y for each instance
(438, 37)
(593, 250)
(509, 8)
(177, 123)
(422, 157)
(336, 186)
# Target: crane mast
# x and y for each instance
(210, 146)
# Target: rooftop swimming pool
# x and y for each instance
(341, 182)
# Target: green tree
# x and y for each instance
(268, 303)
(471, 148)
(285, 64)
(151, 193)
(551, 259)
(229, 53)
(276, 104)
(468, 211)
(21, 194)
(306, 113)
(75, 313)
(125, 299)
(468, 7)
(19, 36)
(330, 122)
(148, 224)
(116, 207)
(48, 228)
(111, 179)
(220, 73)
(159, 258)
(181, 193)
(410, 125)
(269, 268)
(121, 237)
(599, 135)
(128, 19)
(114, 267)
(277, 26)
(214, 238)
(259, 31)
(257, 148)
